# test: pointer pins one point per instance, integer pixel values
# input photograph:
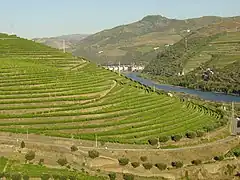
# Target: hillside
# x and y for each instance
(135, 42)
(44, 91)
(57, 42)
(211, 60)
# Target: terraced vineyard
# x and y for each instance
(45, 91)
(220, 52)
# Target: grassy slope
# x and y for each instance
(36, 171)
(53, 93)
(135, 42)
(215, 47)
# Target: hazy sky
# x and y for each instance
(42, 18)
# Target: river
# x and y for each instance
(212, 96)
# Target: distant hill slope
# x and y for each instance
(216, 46)
(135, 42)
(57, 42)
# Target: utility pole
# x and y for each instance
(96, 144)
(233, 121)
(186, 43)
(119, 68)
(64, 46)
(27, 133)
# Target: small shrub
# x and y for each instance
(153, 142)
(191, 135)
(161, 166)
(147, 166)
(196, 162)
(22, 144)
(7, 175)
(93, 154)
(25, 177)
(200, 133)
(236, 152)
(177, 164)
(209, 128)
(128, 177)
(135, 164)
(45, 176)
(16, 176)
(30, 155)
(72, 177)
(62, 161)
(74, 148)
(163, 139)
(143, 158)
(176, 137)
(55, 176)
(123, 161)
(1, 175)
(218, 158)
(41, 161)
(112, 176)
(63, 177)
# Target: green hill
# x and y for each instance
(215, 47)
(48, 92)
(135, 42)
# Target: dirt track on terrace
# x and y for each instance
(52, 148)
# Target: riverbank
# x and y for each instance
(205, 95)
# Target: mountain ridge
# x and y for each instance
(135, 42)
(57, 41)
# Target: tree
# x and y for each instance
(191, 134)
(41, 161)
(22, 144)
(72, 177)
(153, 142)
(16, 176)
(177, 164)
(74, 148)
(62, 161)
(25, 177)
(63, 177)
(128, 177)
(135, 164)
(143, 158)
(30, 155)
(55, 176)
(112, 176)
(123, 161)
(236, 152)
(161, 166)
(147, 166)
(93, 154)
(163, 139)
(176, 137)
(196, 162)
(218, 158)
(1, 175)
(45, 176)
(200, 133)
